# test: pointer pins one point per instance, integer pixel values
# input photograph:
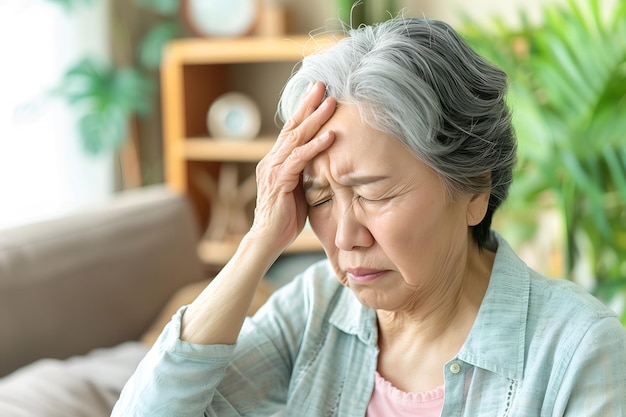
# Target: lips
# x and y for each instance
(364, 274)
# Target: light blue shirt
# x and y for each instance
(539, 347)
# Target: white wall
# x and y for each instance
(43, 169)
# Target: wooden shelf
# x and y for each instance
(215, 149)
(195, 72)
(218, 253)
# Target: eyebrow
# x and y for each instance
(350, 180)
(310, 184)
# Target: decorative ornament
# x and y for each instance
(228, 200)
(220, 18)
(234, 116)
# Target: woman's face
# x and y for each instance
(391, 232)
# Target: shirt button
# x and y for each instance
(455, 368)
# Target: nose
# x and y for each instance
(351, 233)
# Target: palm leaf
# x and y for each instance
(568, 96)
(105, 97)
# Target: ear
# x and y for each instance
(477, 208)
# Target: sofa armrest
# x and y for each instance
(93, 279)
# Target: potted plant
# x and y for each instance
(568, 96)
(109, 96)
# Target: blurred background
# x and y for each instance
(81, 104)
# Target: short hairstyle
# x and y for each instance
(418, 80)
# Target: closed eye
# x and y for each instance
(360, 197)
(368, 200)
(320, 203)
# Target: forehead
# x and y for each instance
(358, 150)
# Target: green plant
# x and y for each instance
(159, 34)
(353, 13)
(107, 96)
(71, 4)
(568, 95)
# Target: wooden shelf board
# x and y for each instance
(219, 253)
(247, 49)
(215, 149)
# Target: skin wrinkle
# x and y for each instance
(347, 187)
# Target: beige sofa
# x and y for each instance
(82, 298)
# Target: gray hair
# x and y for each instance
(419, 81)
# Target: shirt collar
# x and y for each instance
(497, 339)
(352, 317)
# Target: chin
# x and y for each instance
(371, 299)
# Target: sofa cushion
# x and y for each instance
(79, 386)
(93, 279)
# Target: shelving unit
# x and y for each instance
(194, 73)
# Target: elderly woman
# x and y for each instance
(398, 146)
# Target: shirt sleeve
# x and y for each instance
(181, 379)
(175, 378)
(595, 380)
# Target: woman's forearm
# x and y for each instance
(217, 314)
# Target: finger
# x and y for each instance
(297, 160)
(314, 122)
(312, 99)
(305, 131)
(280, 171)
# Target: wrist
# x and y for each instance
(259, 250)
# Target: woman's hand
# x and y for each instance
(281, 209)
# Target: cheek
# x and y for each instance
(324, 228)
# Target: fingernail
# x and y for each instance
(310, 87)
(325, 136)
(326, 102)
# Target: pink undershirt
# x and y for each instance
(387, 401)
